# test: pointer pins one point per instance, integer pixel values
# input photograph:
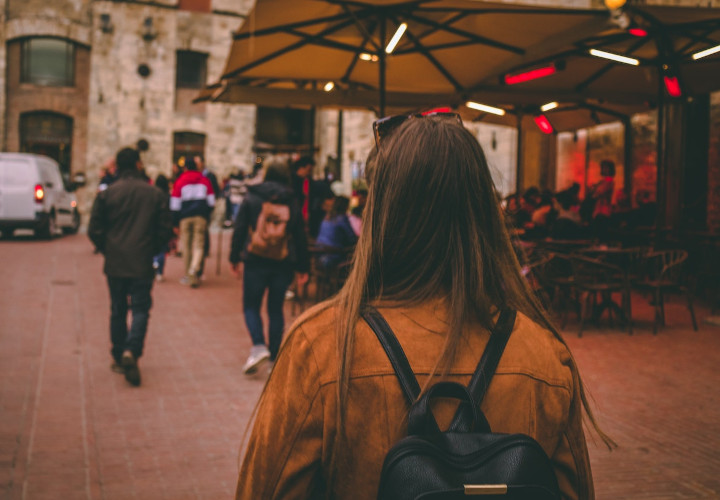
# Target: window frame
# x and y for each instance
(203, 78)
(26, 62)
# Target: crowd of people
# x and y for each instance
(564, 215)
(276, 213)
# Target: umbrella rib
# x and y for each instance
(533, 11)
(433, 29)
(287, 49)
(313, 40)
(449, 45)
(584, 84)
(278, 29)
(701, 38)
(601, 109)
(471, 36)
(353, 63)
(434, 61)
(367, 34)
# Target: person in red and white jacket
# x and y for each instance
(192, 202)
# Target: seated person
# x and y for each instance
(355, 216)
(335, 232)
(567, 224)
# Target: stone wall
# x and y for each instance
(112, 105)
(3, 69)
(127, 107)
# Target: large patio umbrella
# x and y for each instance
(444, 48)
(665, 53)
(648, 44)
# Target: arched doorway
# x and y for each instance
(48, 134)
(187, 144)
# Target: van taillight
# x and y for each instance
(39, 192)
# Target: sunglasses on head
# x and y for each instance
(384, 127)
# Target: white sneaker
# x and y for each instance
(289, 294)
(159, 278)
(258, 355)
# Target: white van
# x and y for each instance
(34, 195)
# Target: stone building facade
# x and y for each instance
(124, 86)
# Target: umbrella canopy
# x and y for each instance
(658, 44)
(447, 48)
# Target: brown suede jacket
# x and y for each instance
(534, 391)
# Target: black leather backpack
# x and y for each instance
(467, 459)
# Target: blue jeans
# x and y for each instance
(159, 263)
(133, 294)
(275, 278)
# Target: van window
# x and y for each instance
(16, 173)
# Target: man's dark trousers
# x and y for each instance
(132, 293)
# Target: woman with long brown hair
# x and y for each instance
(435, 259)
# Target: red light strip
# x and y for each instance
(533, 74)
(639, 32)
(672, 86)
(436, 110)
(543, 124)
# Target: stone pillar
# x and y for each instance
(713, 193)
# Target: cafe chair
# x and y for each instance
(532, 271)
(555, 275)
(666, 276)
(595, 278)
(329, 280)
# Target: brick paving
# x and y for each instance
(71, 428)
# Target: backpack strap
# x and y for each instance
(478, 383)
(395, 354)
(486, 366)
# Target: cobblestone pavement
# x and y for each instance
(71, 428)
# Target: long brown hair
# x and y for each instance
(432, 228)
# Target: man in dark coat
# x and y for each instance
(130, 223)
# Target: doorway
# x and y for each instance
(48, 134)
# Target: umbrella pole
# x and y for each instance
(660, 197)
(519, 157)
(219, 251)
(627, 153)
(382, 68)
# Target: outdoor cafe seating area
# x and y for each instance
(600, 283)
(551, 68)
(587, 282)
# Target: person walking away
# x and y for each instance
(236, 190)
(130, 222)
(310, 194)
(269, 239)
(162, 183)
(210, 176)
(109, 175)
(191, 203)
(436, 261)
